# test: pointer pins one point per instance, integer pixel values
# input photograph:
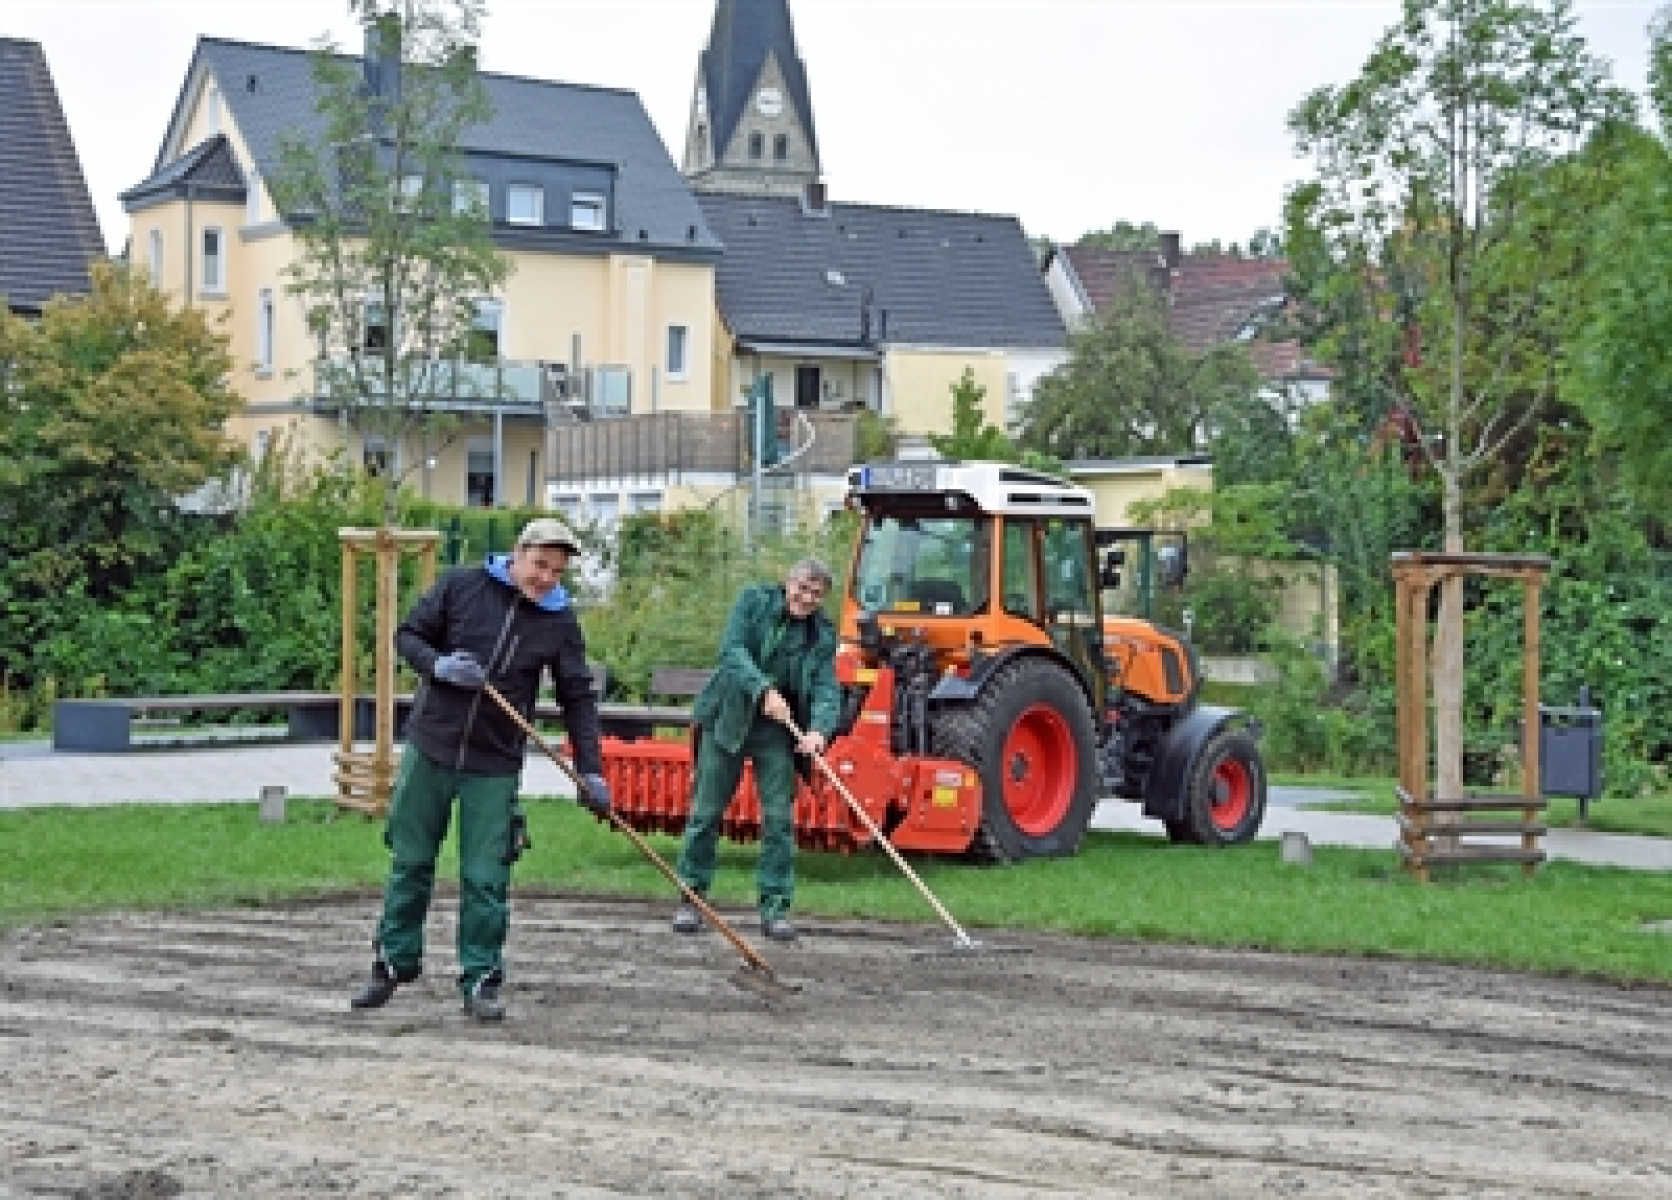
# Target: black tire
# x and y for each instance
(1030, 737)
(1225, 792)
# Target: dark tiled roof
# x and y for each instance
(269, 91)
(941, 278)
(1213, 298)
(743, 34)
(210, 169)
(49, 234)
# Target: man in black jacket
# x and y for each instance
(502, 623)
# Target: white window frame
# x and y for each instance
(467, 193)
(213, 276)
(490, 314)
(154, 251)
(679, 353)
(525, 192)
(264, 329)
(377, 456)
(374, 307)
(589, 211)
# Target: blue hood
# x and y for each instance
(499, 566)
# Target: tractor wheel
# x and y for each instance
(1029, 735)
(1225, 792)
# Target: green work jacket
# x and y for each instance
(731, 699)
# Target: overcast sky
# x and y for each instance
(1069, 114)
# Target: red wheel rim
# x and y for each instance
(1233, 793)
(1040, 769)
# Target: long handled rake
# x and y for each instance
(962, 942)
(755, 974)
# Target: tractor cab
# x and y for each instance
(974, 559)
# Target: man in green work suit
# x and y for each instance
(776, 660)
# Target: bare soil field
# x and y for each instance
(213, 1054)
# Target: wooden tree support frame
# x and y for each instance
(366, 779)
(1433, 831)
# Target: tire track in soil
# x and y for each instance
(213, 1053)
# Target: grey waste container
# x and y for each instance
(1570, 751)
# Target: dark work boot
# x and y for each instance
(779, 929)
(385, 979)
(379, 991)
(686, 918)
(483, 1002)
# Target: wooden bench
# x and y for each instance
(105, 725)
(633, 721)
(1432, 832)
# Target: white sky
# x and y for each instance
(1069, 114)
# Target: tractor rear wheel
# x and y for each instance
(1225, 792)
(1029, 735)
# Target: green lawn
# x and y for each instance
(1569, 918)
(1651, 816)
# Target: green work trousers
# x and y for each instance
(418, 819)
(772, 750)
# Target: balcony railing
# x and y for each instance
(445, 384)
(672, 445)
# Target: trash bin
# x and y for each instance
(1570, 751)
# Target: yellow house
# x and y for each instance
(608, 309)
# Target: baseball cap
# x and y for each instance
(548, 531)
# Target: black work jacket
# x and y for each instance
(468, 608)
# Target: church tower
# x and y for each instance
(751, 127)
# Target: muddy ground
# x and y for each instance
(213, 1054)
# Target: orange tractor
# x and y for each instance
(988, 702)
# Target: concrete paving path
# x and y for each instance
(32, 774)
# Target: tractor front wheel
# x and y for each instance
(1030, 737)
(1225, 793)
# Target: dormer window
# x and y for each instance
(525, 204)
(781, 147)
(757, 145)
(587, 211)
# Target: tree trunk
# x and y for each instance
(1448, 654)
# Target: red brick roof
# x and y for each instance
(1213, 298)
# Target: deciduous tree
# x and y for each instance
(395, 252)
(1131, 387)
(1444, 200)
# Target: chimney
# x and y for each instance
(382, 64)
(813, 201)
(1172, 250)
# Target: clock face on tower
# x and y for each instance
(769, 102)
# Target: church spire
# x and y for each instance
(751, 127)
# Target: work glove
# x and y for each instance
(517, 839)
(594, 795)
(460, 669)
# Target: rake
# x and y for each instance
(754, 975)
(962, 942)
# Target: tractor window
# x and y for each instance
(936, 566)
(1068, 570)
(1021, 588)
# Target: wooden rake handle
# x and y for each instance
(749, 953)
(964, 939)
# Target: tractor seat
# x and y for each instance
(937, 595)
